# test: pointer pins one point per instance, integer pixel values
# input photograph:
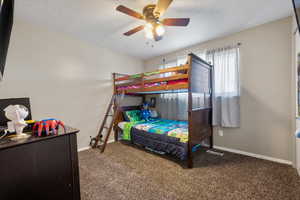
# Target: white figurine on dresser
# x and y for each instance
(17, 115)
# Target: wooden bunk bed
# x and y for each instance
(194, 78)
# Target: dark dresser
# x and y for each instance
(40, 168)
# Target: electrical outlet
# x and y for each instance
(220, 131)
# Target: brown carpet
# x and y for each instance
(124, 172)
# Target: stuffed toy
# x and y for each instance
(145, 112)
(154, 114)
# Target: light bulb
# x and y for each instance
(149, 26)
(160, 30)
(149, 34)
(149, 30)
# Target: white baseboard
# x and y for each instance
(88, 147)
(287, 162)
(84, 149)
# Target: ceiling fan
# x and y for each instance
(154, 27)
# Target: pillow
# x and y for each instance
(133, 115)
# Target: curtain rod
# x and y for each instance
(225, 47)
(164, 59)
(235, 45)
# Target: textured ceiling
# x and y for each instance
(96, 21)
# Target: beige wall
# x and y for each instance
(64, 78)
(266, 74)
(295, 52)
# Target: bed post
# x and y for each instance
(190, 106)
(211, 138)
(199, 114)
(116, 136)
(190, 163)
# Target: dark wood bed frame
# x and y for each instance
(199, 116)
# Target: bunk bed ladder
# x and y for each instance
(109, 113)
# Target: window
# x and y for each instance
(226, 99)
(180, 60)
(226, 71)
(168, 65)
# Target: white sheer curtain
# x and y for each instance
(173, 106)
(226, 97)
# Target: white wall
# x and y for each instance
(64, 78)
(266, 75)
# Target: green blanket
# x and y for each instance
(127, 129)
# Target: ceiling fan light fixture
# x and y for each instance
(154, 27)
(149, 31)
(160, 30)
(149, 35)
(149, 26)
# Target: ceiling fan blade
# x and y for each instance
(132, 31)
(161, 7)
(129, 12)
(176, 21)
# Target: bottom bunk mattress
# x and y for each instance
(162, 135)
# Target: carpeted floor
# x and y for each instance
(128, 173)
